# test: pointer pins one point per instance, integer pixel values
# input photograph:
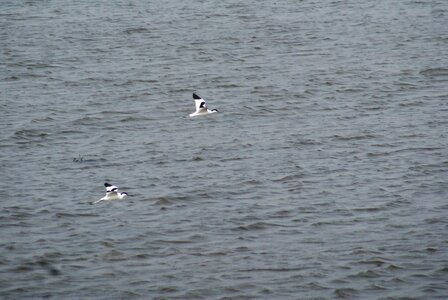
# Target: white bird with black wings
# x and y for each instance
(201, 107)
(112, 193)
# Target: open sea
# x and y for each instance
(323, 176)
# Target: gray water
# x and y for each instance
(323, 176)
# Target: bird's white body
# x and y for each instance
(201, 107)
(112, 194)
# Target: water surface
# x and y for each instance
(324, 176)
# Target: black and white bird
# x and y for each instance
(112, 193)
(201, 107)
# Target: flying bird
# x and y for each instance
(112, 193)
(201, 107)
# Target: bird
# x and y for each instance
(201, 107)
(112, 193)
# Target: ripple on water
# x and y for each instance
(322, 177)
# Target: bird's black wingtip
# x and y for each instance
(196, 96)
(107, 184)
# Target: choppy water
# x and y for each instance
(324, 176)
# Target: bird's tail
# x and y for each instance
(95, 202)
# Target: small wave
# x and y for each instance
(242, 249)
(143, 256)
(256, 226)
(253, 226)
(442, 270)
(113, 256)
(234, 158)
(136, 30)
(170, 200)
(42, 263)
(228, 86)
(215, 253)
(43, 120)
(341, 222)
(95, 119)
(411, 103)
(85, 120)
(412, 149)
(282, 213)
(373, 261)
(137, 81)
(173, 241)
(11, 78)
(163, 201)
(436, 220)
(60, 215)
(288, 178)
(369, 209)
(348, 293)
(309, 142)
(435, 72)
(32, 64)
(292, 269)
(354, 137)
(393, 267)
(135, 118)
(29, 134)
